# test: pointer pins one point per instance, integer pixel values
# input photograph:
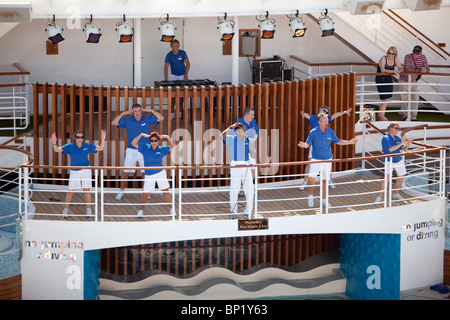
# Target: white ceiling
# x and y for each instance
(101, 9)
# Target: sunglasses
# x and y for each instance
(79, 137)
(391, 53)
(154, 140)
(396, 128)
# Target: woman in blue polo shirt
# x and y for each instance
(393, 144)
(79, 178)
(153, 155)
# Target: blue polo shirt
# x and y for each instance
(176, 61)
(239, 150)
(79, 156)
(314, 121)
(321, 143)
(135, 128)
(387, 142)
(251, 129)
(153, 158)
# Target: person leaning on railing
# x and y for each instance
(387, 64)
(414, 62)
(79, 157)
(393, 144)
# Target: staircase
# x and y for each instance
(375, 33)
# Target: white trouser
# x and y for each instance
(238, 176)
(414, 99)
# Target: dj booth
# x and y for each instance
(185, 83)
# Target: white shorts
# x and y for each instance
(399, 167)
(314, 169)
(133, 156)
(173, 77)
(80, 179)
(160, 178)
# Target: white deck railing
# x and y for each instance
(357, 190)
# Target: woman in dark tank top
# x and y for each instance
(387, 64)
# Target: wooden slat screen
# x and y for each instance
(67, 108)
(238, 254)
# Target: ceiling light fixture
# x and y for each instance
(92, 31)
(54, 31)
(297, 26)
(267, 27)
(326, 24)
(125, 31)
(226, 28)
(167, 29)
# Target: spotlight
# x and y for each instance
(125, 31)
(297, 26)
(226, 28)
(167, 29)
(267, 27)
(92, 31)
(326, 24)
(54, 31)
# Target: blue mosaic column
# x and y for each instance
(371, 265)
(91, 275)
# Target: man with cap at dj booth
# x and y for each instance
(414, 62)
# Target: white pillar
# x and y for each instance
(235, 54)
(137, 55)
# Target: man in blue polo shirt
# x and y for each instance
(241, 148)
(134, 125)
(393, 144)
(79, 178)
(320, 139)
(178, 62)
(313, 123)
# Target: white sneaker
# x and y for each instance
(89, 212)
(303, 185)
(331, 184)
(119, 196)
(140, 213)
(65, 213)
(378, 199)
(172, 212)
(397, 196)
(324, 203)
(311, 201)
(246, 213)
(233, 214)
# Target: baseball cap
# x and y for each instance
(417, 49)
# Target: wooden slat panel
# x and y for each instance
(277, 107)
(11, 288)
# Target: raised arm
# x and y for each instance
(158, 115)
(304, 114)
(54, 140)
(169, 139)
(344, 142)
(102, 141)
(338, 114)
(135, 142)
(115, 121)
